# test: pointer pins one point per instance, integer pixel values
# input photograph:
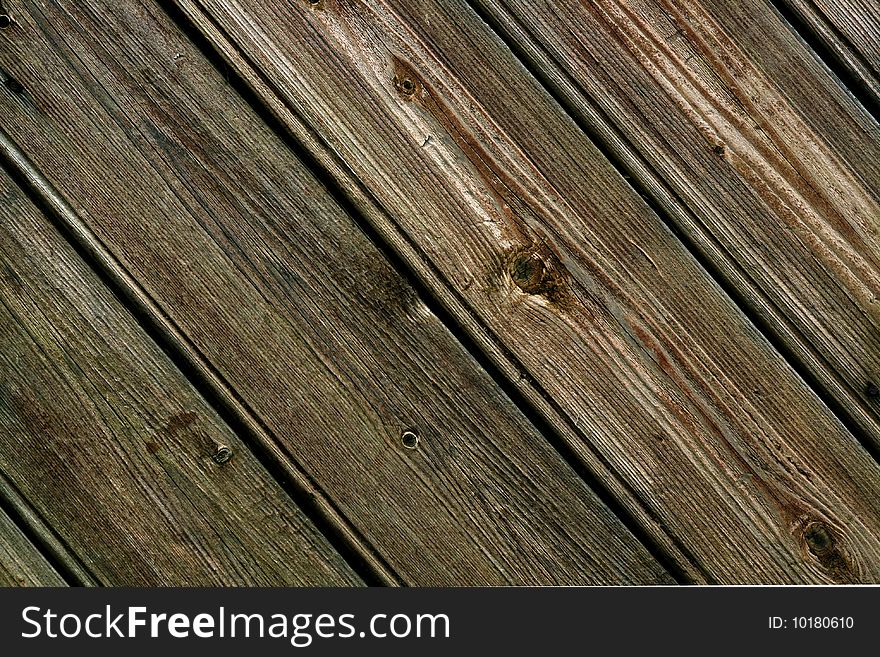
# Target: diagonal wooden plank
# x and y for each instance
(115, 450)
(850, 31)
(752, 149)
(653, 375)
(65, 561)
(21, 563)
(264, 277)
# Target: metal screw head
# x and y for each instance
(222, 455)
(410, 439)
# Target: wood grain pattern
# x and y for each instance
(115, 450)
(653, 369)
(68, 564)
(21, 563)
(850, 30)
(778, 169)
(332, 352)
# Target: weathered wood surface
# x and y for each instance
(330, 351)
(21, 563)
(112, 447)
(754, 152)
(44, 537)
(658, 381)
(850, 30)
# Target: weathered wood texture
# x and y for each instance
(44, 537)
(752, 149)
(328, 347)
(21, 563)
(113, 448)
(850, 30)
(655, 373)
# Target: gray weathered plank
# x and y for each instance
(113, 448)
(722, 109)
(264, 276)
(850, 29)
(657, 380)
(50, 544)
(21, 563)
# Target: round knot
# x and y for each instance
(529, 271)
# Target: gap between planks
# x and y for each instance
(50, 546)
(302, 489)
(564, 496)
(235, 57)
(851, 67)
(674, 211)
(407, 257)
(116, 450)
(22, 563)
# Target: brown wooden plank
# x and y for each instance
(850, 30)
(50, 544)
(659, 382)
(21, 563)
(329, 349)
(719, 107)
(115, 450)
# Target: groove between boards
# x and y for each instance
(367, 563)
(839, 68)
(51, 546)
(451, 309)
(670, 207)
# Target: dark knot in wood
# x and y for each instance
(824, 546)
(537, 270)
(406, 86)
(819, 539)
(529, 271)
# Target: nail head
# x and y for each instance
(222, 455)
(410, 439)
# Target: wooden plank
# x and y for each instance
(261, 273)
(21, 563)
(50, 544)
(653, 374)
(115, 450)
(850, 30)
(717, 106)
